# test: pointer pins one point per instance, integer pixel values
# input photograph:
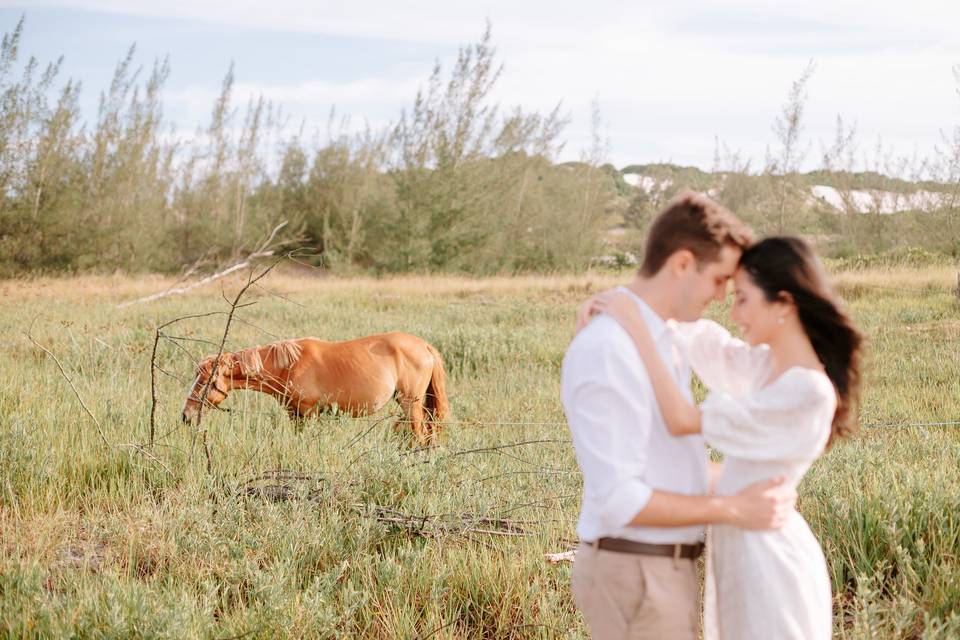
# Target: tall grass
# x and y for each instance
(104, 541)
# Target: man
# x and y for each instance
(645, 492)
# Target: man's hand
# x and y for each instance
(762, 505)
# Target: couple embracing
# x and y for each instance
(777, 399)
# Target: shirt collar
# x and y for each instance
(657, 325)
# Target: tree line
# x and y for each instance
(457, 183)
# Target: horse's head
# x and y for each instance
(218, 387)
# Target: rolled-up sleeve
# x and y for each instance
(610, 420)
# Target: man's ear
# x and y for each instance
(682, 261)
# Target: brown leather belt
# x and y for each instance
(619, 545)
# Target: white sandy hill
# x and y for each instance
(876, 201)
(646, 184)
(854, 200)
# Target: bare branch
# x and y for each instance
(261, 252)
(72, 386)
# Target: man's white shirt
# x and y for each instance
(622, 444)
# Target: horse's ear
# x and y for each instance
(249, 362)
(205, 366)
(229, 364)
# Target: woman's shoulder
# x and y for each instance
(799, 375)
(802, 385)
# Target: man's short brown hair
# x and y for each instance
(694, 222)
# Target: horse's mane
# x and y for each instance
(285, 354)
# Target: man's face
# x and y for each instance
(705, 282)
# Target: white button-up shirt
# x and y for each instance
(622, 444)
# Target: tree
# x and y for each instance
(788, 127)
(946, 169)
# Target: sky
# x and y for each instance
(670, 77)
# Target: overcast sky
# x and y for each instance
(670, 76)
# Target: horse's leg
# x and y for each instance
(297, 418)
(413, 415)
(412, 387)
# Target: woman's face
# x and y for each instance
(756, 316)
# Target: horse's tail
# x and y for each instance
(436, 402)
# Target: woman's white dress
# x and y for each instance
(761, 584)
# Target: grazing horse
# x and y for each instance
(308, 375)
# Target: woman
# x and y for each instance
(776, 402)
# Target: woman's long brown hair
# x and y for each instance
(786, 264)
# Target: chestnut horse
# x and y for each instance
(308, 375)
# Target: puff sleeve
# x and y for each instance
(722, 362)
(788, 420)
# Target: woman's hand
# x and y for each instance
(617, 304)
(587, 310)
(622, 308)
(682, 417)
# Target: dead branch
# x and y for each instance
(170, 374)
(136, 447)
(433, 525)
(371, 428)
(280, 296)
(539, 503)
(141, 449)
(282, 485)
(261, 252)
(251, 280)
(159, 333)
(508, 446)
(72, 386)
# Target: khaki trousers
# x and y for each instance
(631, 596)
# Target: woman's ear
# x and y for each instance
(786, 299)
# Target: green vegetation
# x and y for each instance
(360, 536)
(458, 183)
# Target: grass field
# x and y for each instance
(336, 528)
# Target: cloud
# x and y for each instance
(556, 21)
(669, 76)
(311, 93)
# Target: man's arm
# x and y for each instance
(763, 505)
(608, 415)
(610, 421)
(714, 470)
